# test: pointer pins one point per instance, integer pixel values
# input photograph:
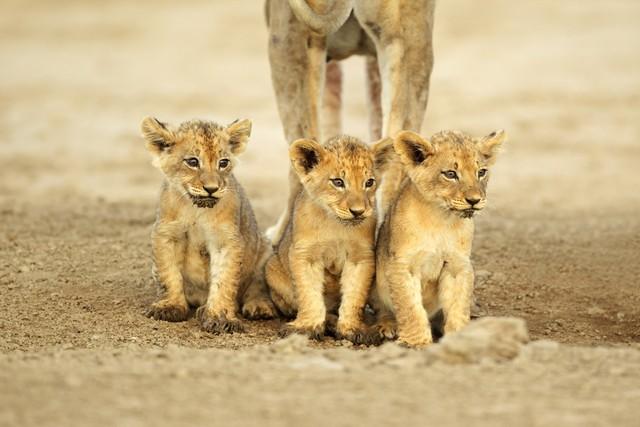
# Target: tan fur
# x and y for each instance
(325, 259)
(322, 16)
(424, 245)
(396, 36)
(207, 250)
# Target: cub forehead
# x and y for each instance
(456, 146)
(350, 153)
(205, 135)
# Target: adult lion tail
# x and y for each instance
(336, 14)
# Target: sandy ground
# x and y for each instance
(558, 247)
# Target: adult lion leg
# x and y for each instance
(297, 58)
(374, 92)
(332, 101)
(402, 33)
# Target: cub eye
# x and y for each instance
(192, 162)
(450, 174)
(482, 172)
(370, 182)
(339, 183)
(223, 163)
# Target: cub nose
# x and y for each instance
(472, 200)
(356, 212)
(211, 189)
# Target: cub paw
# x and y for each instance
(168, 311)
(331, 325)
(217, 324)
(387, 330)
(415, 342)
(285, 309)
(315, 332)
(259, 309)
(360, 336)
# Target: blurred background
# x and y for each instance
(558, 245)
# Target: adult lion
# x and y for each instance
(307, 37)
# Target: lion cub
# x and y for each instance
(424, 244)
(207, 250)
(325, 258)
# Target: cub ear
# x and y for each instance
(157, 135)
(412, 148)
(383, 154)
(489, 145)
(305, 155)
(239, 132)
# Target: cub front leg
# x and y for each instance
(168, 257)
(406, 296)
(308, 279)
(219, 314)
(455, 293)
(355, 284)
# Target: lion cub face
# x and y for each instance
(197, 157)
(338, 175)
(451, 168)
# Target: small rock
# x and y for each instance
(490, 338)
(24, 269)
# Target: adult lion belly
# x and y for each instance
(350, 39)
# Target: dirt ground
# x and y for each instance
(558, 247)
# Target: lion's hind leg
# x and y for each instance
(280, 287)
(256, 303)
